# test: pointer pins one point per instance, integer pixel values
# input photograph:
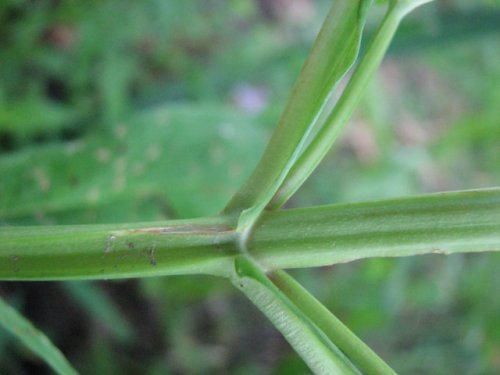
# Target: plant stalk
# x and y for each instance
(356, 350)
(197, 246)
(443, 223)
(342, 111)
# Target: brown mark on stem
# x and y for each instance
(151, 255)
(184, 229)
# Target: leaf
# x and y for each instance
(320, 354)
(176, 161)
(31, 116)
(97, 304)
(35, 340)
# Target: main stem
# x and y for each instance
(195, 246)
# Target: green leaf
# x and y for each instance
(32, 115)
(140, 170)
(35, 340)
(97, 304)
(320, 354)
(406, 6)
(443, 223)
(332, 55)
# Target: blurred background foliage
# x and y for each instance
(115, 111)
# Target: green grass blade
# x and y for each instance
(35, 340)
(358, 352)
(332, 55)
(343, 109)
(198, 246)
(100, 307)
(444, 223)
(320, 354)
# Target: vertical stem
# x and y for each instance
(333, 53)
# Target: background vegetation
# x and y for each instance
(119, 111)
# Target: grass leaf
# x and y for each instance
(35, 340)
(100, 308)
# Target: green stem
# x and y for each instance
(116, 251)
(358, 352)
(444, 223)
(437, 223)
(345, 106)
(333, 53)
(316, 348)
